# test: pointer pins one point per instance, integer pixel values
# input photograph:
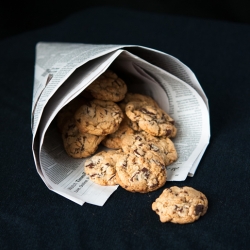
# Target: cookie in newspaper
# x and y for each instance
(180, 205)
(101, 167)
(108, 87)
(98, 117)
(114, 140)
(151, 119)
(68, 111)
(140, 173)
(130, 97)
(79, 145)
(141, 142)
(136, 97)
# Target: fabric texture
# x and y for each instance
(33, 217)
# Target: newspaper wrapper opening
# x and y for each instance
(64, 70)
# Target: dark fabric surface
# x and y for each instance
(32, 217)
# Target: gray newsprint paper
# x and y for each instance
(64, 70)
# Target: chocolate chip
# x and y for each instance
(169, 131)
(91, 165)
(146, 172)
(198, 209)
(145, 111)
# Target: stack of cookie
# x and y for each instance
(132, 126)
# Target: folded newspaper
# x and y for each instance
(64, 70)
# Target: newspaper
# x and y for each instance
(64, 70)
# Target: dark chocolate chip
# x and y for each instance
(91, 165)
(198, 209)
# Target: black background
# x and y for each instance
(218, 52)
(20, 16)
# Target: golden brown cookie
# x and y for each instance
(136, 97)
(114, 140)
(108, 87)
(101, 168)
(79, 145)
(180, 205)
(98, 117)
(151, 119)
(141, 142)
(143, 174)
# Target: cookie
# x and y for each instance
(141, 142)
(79, 145)
(67, 112)
(136, 97)
(137, 173)
(101, 168)
(180, 205)
(114, 140)
(151, 119)
(133, 125)
(98, 117)
(108, 87)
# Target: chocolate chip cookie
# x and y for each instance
(141, 142)
(180, 205)
(98, 117)
(143, 174)
(136, 97)
(151, 119)
(108, 87)
(79, 145)
(114, 140)
(101, 168)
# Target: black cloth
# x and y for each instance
(33, 217)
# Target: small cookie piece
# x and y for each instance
(114, 140)
(98, 117)
(108, 87)
(142, 141)
(151, 119)
(180, 205)
(68, 111)
(76, 144)
(143, 174)
(101, 168)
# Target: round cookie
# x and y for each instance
(142, 174)
(136, 97)
(114, 140)
(180, 205)
(98, 117)
(142, 142)
(151, 119)
(108, 87)
(101, 168)
(68, 111)
(76, 144)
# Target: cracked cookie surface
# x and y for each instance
(108, 87)
(101, 168)
(98, 117)
(151, 119)
(180, 205)
(114, 140)
(79, 145)
(141, 142)
(143, 174)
